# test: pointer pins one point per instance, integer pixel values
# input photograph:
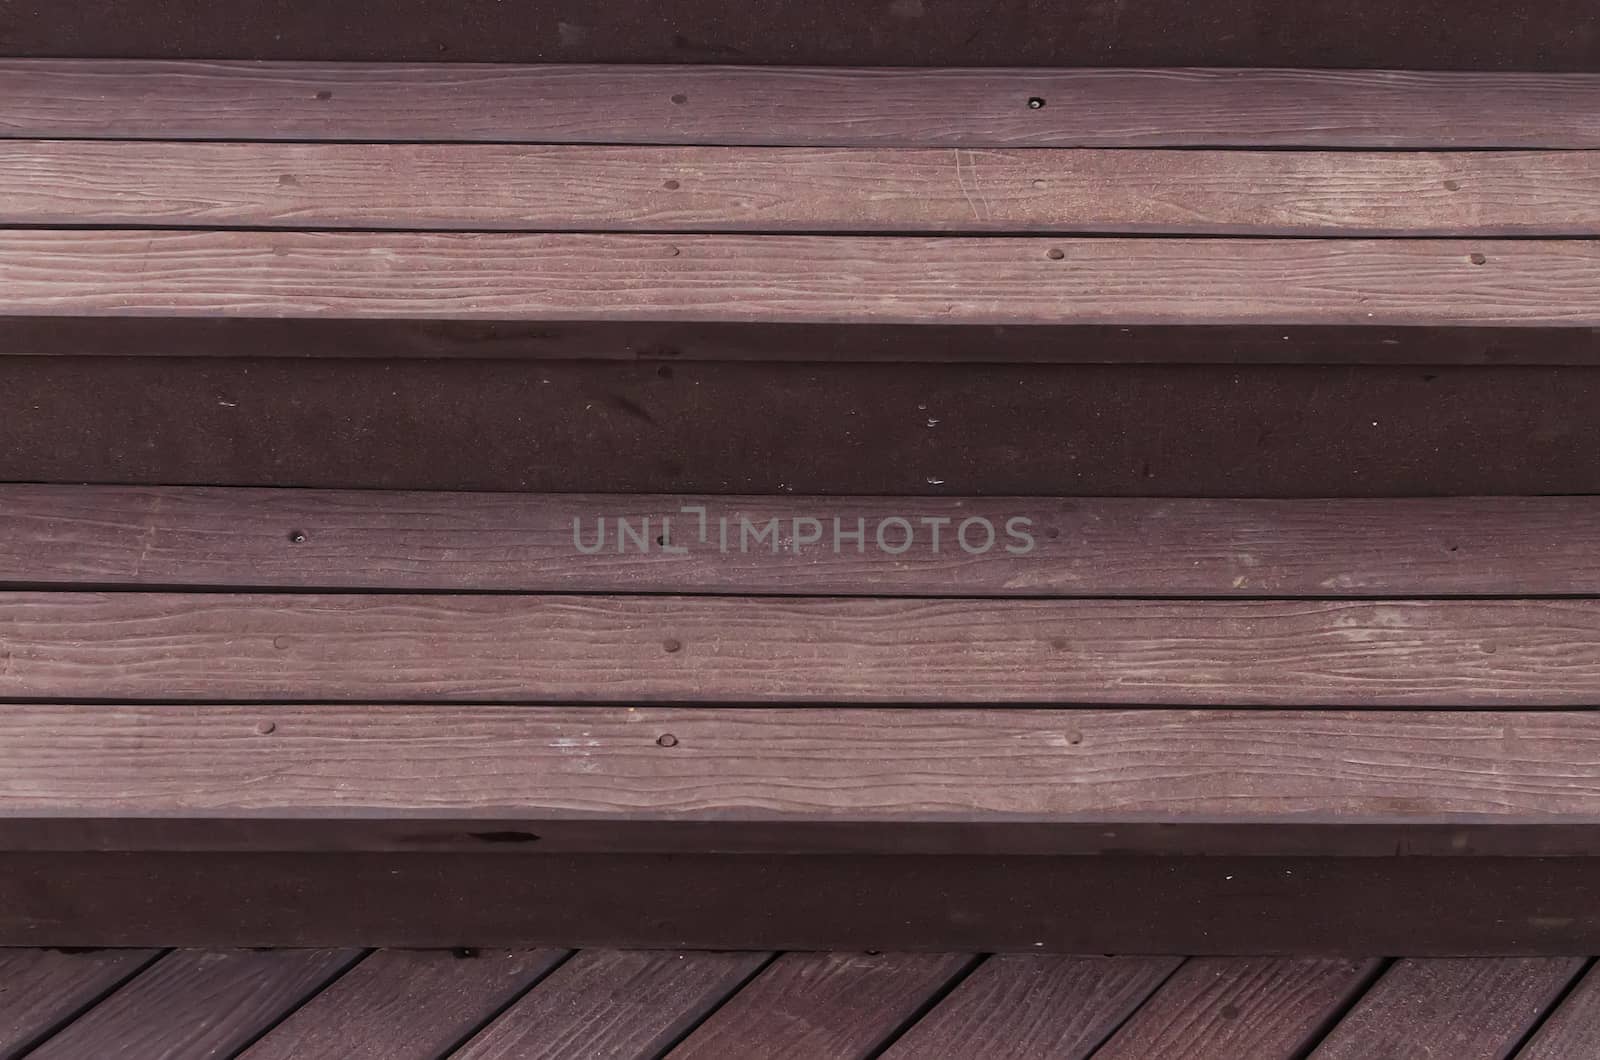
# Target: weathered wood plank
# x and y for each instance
(797, 106)
(799, 279)
(1467, 1010)
(1573, 1029)
(401, 1005)
(1221, 1008)
(650, 649)
(1033, 1008)
(1003, 430)
(365, 539)
(858, 765)
(774, 780)
(42, 990)
(613, 1005)
(838, 1006)
(598, 188)
(1327, 906)
(226, 998)
(1441, 34)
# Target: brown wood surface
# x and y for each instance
(1449, 34)
(820, 650)
(1573, 1029)
(799, 279)
(1466, 1010)
(1222, 1008)
(770, 779)
(42, 990)
(78, 99)
(226, 999)
(399, 1005)
(614, 1005)
(58, 535)
(824, 1006)
(1033, 1008)
(749, 428)
(1248, 906)
(601, 188)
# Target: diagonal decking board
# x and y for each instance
(799, 279)
(131, 99)
(611, 188)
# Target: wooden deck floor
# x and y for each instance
(481, 1004)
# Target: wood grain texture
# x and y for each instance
(1242, 906)
(602, 188)
(1573, 1029)
(745, 774)
(330, 540)
(799, 279)
(129, 99)
(1467, 1010)
(664, 649)
(823, 1006)
(1003, 430)
(1220, 1008)
(227, 998)
(613, 1005)
(1033, 1008)
(42, 990)
(1438, 34)
(399, 1005)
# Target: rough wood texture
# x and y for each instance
(795, 106)
(227, 998)
(1223, 1008)
(823, 1006)
(309, 539)
(799, 279)
(1339, 906)
(1573, 1029)
(1033, 1008)
(398, 1005)
(599, 188)
(1003, 430)
(41, 990)
(1466, 1010)
(825, 650)
(613, 1005)
(1022, 781)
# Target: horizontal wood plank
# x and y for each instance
(662, 649)
(397, 778)
(96, 536)
(1243, 906)
(597, 188)
(799, 279)
(1439, 34)
(794, 106)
